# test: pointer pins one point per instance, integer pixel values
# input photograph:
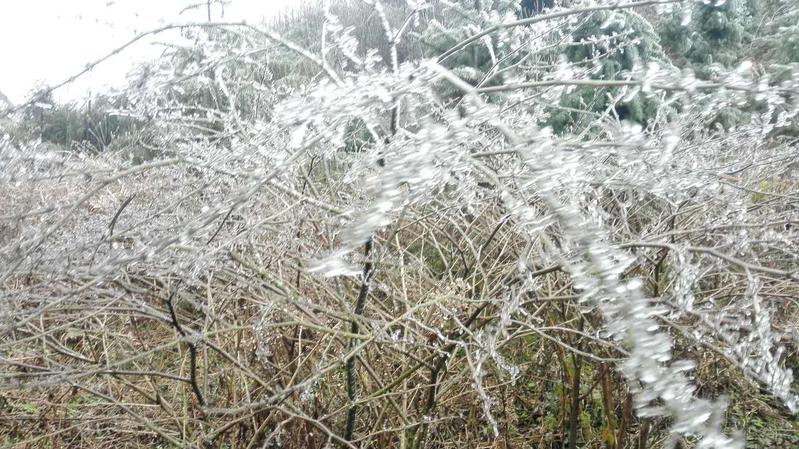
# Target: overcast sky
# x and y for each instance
(49, 40)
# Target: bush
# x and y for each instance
(463, 277)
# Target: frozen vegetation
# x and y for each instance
(415, 224)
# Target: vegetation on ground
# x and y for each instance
(414, 224)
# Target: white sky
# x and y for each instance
(47, 41)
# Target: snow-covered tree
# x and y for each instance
(406, 253)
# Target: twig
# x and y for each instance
(116, 216)
(352, 381)
(192, 346)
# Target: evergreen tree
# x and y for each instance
(776, 42)
(776, 35)
(612, 44)
(710, 38)
(456, 21)
(707, 36)
(529, 8)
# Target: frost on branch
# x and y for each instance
(540, 201)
